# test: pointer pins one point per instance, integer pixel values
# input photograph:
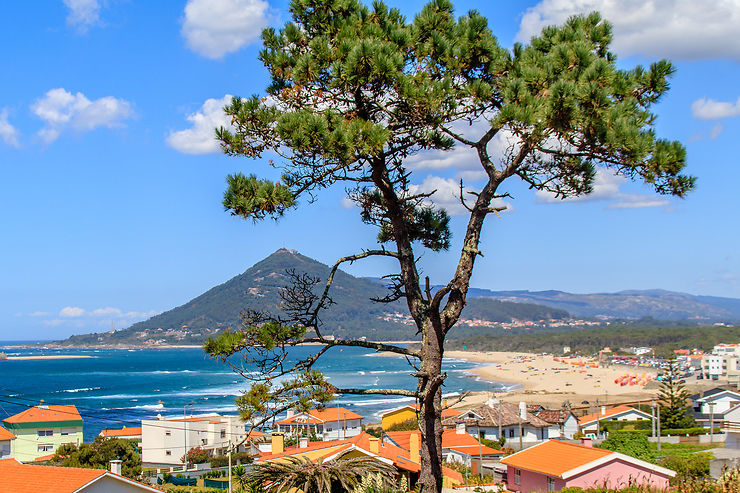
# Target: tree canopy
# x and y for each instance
(97, 455)
(355, 92)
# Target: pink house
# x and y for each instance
(555, 464)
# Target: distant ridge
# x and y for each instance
(630, 304)
(353, 315)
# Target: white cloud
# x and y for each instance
(677, 29)
(201, 137)
(82, 13)
(607, 188)
(447, 195)
(8, 133)
(716, 130)
(39, 314)
(709, 109)
(61, 110)
(71, 311)
(214, 28)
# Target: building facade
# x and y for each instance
(336, 423)
(6, 443)
(554, 465)
(41, 429)
(516, 423)
(164, 441)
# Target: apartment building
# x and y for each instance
(165, 440)
(41, 429)
(722, 364)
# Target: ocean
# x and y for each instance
(119, 387)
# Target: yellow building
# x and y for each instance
(409, 412)
(41, 429)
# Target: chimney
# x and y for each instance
(587, 442)
(374, 445)
(291, 413)
(115, 466)
(277, 443)
(460, 429)
(444, 404)
(603, 410)
(415, 448)
(523, 410)
(303, 442)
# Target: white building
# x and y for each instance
(590, 422)
(6, 443)
(164, 441)
(727, 350)
(715, 405)
(724, 365)
(336, 423)
(514, 421)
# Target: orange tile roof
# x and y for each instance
(462, 442)
(123, 432)
(399, 456)
(44, 414)
(28, 478)
(24, 478)
(590, 418)
(554, 457)
(5, 434)
(318, 416)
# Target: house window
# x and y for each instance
(511, 433)
(168, 452)
(482, 434)
(517, 476)
(167, 433)
(46, 433)
(46, 447)
(550, 484)
(223, 433)
(68, 431)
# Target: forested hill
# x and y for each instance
(664, 340)
(352, 315)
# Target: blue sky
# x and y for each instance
(110, 197)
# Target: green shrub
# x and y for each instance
(236, 458)
(694, 466)
(632, 444)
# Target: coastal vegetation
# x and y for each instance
(355, 91)
(98, 454)
(663, 340)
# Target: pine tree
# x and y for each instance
(674, 399)
(355, 91)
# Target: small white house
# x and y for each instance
(164, 441)
(513, 421)
(714, 405)
(590, 422)
(336, 423)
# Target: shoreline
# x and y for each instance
(59, 356)
(547, 382)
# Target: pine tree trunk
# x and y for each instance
(430, 419)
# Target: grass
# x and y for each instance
(683, 449)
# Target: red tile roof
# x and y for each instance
(462, 442)
(399, 456)
(123, 432)
(610, 413)
(27, 478)
(554, 457)
(318, 416)
(5, 434)
(43, 414)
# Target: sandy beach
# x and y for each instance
(549, 383)
(62, 356)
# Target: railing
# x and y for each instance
(733, 426)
